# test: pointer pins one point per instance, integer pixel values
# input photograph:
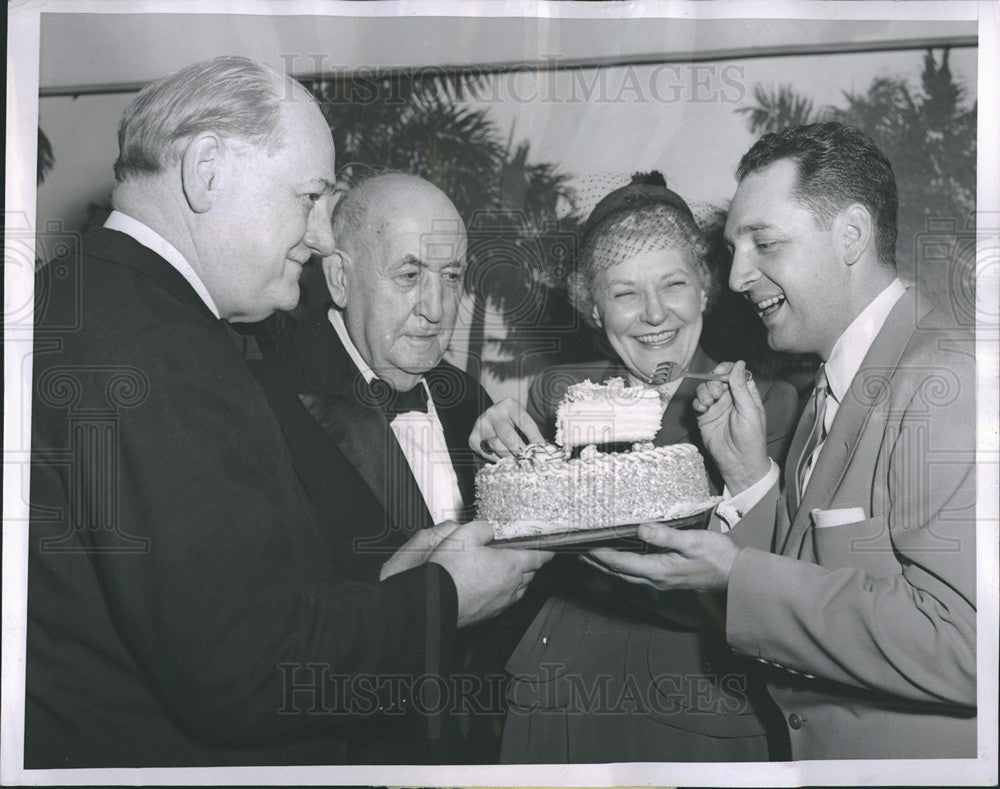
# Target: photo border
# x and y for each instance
(22, 115)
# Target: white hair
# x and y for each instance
(235, 97)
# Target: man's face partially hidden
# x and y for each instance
(404, 284)
(785, 263)
(272, 212)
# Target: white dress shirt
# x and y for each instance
(421, 437)
(152, 240)
(845, 360)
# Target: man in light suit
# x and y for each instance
(372, 412)
(183, 605)
(854, 579)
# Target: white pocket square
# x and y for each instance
(824, 519)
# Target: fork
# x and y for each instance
(667, 372)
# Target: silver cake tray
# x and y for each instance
(624, 536)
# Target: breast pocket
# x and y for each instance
(863, 543)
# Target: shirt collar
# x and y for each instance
(152, 240)
(852, 346)
(352, 350)
(337, 320)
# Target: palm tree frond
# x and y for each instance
(776, 109)
(46, 157)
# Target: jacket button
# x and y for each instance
(794, 721)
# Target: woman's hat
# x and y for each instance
(644, 189)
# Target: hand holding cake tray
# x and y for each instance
(548, 498)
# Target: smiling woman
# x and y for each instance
(643, 274)
(643, 279)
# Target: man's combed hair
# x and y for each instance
(838, 165)
(234, 97)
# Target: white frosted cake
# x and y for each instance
(545, 491)
(607, 413)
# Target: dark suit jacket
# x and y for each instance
(344, 450)
(181, 604)
(697, 702)
(872, 632)
(358, 479)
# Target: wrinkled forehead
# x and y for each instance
(433, 234)
(444, 243)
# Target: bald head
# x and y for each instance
(397, 273)
(365, 214)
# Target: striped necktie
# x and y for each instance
(817, 410)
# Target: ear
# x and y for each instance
(199, 171)
(336, 277)
(854, 232)
(596, 315)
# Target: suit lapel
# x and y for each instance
(123, 250)
(867, 389)
(333, 396)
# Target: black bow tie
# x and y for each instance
(394, 403)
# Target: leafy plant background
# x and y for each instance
(525, 226)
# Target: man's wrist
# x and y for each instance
(744, 479)
(735, 505)
(726, 568)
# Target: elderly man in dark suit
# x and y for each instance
(854, 581)
(184, 606)
(373, 413)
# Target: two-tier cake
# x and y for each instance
(546, 490)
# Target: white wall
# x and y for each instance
(695, 142)
(83, 136)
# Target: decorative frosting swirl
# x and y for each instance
(614, 389)
(539, 454)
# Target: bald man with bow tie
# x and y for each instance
(378, 423)
(184, 605)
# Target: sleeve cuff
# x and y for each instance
(732, 509)
(425, 602)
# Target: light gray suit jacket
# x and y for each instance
(867, 619)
